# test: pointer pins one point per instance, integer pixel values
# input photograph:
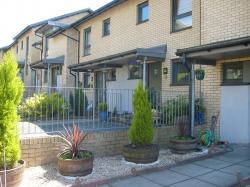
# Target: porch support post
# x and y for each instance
(103, 85)
(192, 100)
(49, 83)
(145, 72)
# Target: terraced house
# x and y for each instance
(159, 40)
(30, 50)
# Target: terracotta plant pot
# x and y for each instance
(75, 167)
(13, 176)
(183, 146)
(141, 154)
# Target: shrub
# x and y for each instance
(102, 107)
(42, 106)
(141, 131)
(78, 102)
(11, 91)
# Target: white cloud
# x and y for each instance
(17, 14)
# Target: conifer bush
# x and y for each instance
(141, 131)
(11, 91)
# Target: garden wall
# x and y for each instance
(41, 150)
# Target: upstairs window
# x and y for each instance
(46, 46)
(17, 49)
(181, 14)
(27, 46)
(106, 27)
(21, 45)
(180, 74)
(87, 42)
(143, 12)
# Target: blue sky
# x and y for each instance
(17, 14)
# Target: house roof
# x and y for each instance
(95, 13)
(99, 11)
(53, 19)
(27, 28)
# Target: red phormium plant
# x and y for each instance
(73, 139)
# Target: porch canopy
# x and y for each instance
(154, 54)
(208, 54)
(43, 64)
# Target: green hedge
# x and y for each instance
(44, 106)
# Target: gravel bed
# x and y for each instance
(104, 168)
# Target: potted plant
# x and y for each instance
(199, 111)
(11, 91)
(200, 74)
(141, 131)
(103, 111)
(74, 161)
(183, 142)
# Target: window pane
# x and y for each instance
(180, 74)
(106, 27)
(233, 72)
(86, 81)
(143, 12)
(183, 6)
(135, 71)
(183, 22)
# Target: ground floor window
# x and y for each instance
(45, 76)
(87, 80)
(180, 74)
(135, 71)
(233, 72)
(111, 75)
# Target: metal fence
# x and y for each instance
(48, 109)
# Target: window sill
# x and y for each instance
(105, 35)
(174, 84)
(84, 55)
(134, 78)
(183, 29)
(141, 22)
(235, 84)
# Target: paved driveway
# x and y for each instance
(220, 170)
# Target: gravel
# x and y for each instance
(104, 168)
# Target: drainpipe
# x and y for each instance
(145, 72)
(192, 100)
(74, 75)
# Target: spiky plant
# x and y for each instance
(73, 140)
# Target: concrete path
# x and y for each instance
(220, 170)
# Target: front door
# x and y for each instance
(100, 87)
(154, 84)
(154, 76)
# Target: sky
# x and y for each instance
(15, 15)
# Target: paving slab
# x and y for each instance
(166, 177)
(193, 183)
(219, 178)
(134, 182)
(212, 163)
(245, 163)
(232, 158)
(191, 170)
(244, 171)
(105, 185)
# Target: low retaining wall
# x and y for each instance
(40, 150)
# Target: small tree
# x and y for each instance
(141, 131)
(11, 91)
